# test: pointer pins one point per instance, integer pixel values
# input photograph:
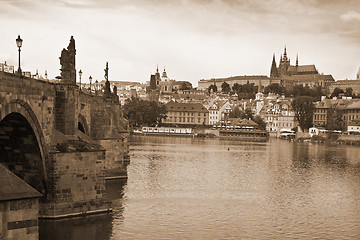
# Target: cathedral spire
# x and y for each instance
(285, 54)
(273, 71)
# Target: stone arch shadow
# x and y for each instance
(82, 124)
(21, 110)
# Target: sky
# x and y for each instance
(192, 39)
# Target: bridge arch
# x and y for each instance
(22, 144)
(82, 124)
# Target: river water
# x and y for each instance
(192, 188)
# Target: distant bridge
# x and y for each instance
(62, 141)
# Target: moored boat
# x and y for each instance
(254, 135)
(287, 134)
(167, 131)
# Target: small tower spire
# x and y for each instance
(297, 60)
(285, 54)
(164, 75)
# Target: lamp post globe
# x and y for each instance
(19, 45)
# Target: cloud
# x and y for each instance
(193, 38)
(350, 16)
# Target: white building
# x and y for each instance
(218, 111)
(354, 127)
(6, 68)
(278, 115)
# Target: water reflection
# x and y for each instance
(94, 227)
(90, 228)
(189, 188)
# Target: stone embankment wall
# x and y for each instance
(117, 156)
(19, 219)
(349, 139)
(76, 184)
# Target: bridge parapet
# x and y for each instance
(38, 95)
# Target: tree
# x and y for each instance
(141, 112)
(235, 113)
(246, 91)
(336, 92)
(304, 108)
(300, 90)
(236, 87)
(212, 87)
(185, 86)
(335, 120)
(349, 92)
(225, 87)
(260, 121)
(247, 114)
(275, 88)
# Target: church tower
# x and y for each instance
(284, 64)
(157, 76)
(273, 71)
(164, 76)
(358, 75)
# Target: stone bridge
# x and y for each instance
(62, 141)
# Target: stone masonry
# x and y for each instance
(81, 138)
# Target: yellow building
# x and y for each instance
(186, 114)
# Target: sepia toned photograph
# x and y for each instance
(179, 119)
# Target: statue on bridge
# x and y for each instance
(107, 83)
(67, 62)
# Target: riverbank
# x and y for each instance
(331, 138)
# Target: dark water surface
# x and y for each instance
(184, 188)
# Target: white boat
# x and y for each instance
(287, 134)
(167, 131)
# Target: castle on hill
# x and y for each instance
(286, 69)
(290, 75)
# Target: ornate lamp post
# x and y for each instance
(90, 79)
(19, 44)
(80, 73)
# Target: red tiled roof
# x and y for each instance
(302, 68)
(353, 105)
(252, 77)
(242, 122)
(185, 107)
(308, 77)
